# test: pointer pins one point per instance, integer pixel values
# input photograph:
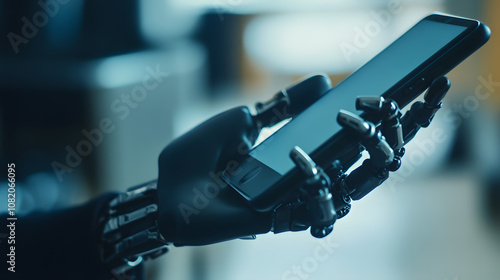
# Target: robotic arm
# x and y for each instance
(189, 204)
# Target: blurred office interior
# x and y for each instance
(75, 70)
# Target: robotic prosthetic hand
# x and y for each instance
(191, 205)
(196, 206)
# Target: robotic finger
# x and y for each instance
(291, 101)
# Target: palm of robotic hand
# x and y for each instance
(195, 206)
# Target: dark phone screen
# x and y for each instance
(318, 123)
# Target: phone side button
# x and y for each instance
(250, 175)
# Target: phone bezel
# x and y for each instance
(342, 142)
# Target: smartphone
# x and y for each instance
(401, 72)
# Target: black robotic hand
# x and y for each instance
(190, 204)
(196, 206)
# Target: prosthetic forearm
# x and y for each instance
(130, 231)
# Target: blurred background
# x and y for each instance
(91, 91)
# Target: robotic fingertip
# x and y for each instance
(437, 91)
